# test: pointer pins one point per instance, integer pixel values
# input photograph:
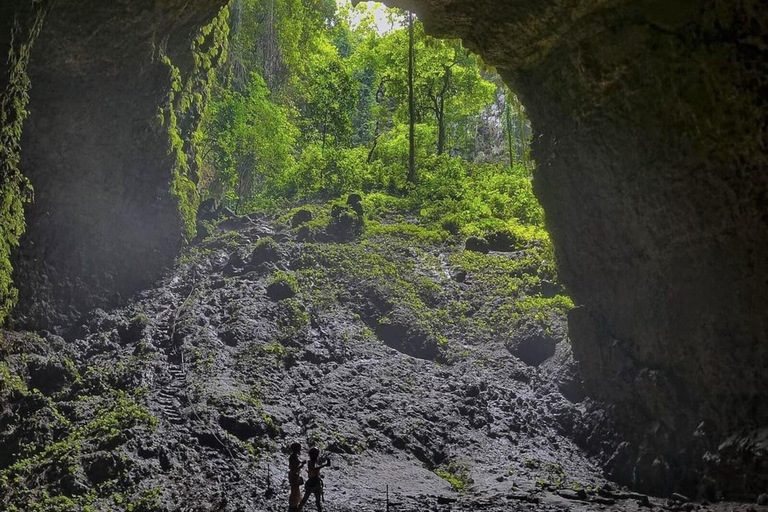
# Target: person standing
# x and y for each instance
(314, 480)
(294, 478)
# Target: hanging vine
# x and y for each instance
(15, 189)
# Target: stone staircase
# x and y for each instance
(171, 398)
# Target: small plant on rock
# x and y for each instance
(457, 474)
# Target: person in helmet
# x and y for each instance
(314, 480)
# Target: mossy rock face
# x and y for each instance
(266, 250)
(402, 332)
(670, 266)
(301, 217)
(50, 375)
(345, 222)
(477, 244)
(115, 181)
(280, 290)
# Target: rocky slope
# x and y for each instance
(384, 352)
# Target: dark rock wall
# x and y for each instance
(19, 27)
(104, 222)
(650, 123)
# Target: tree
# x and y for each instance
(411, 102)
(327, 96)
(247, 138)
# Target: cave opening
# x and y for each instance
(418, 331)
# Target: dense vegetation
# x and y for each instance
(313, 104)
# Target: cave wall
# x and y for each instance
(19, 28)
(104, 148)
(650, 122)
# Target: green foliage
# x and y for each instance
(293, 320)
(457, 474)
(248, 140)
(15, 188)
(285, 278)
(309, 106)
(115, 414)
(187, 98)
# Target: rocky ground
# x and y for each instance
(439, 377)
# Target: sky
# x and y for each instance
(378, 10)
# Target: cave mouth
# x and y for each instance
(650, 143)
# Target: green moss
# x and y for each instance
(457, 474)
(285, 278)
(293, 319)
(113, 415)
(10, 381)
(15, 188)
(274, 349)
(180, 117)
(266, 249)
(146, 501)
(407, 231)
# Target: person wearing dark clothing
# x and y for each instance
(314, 483)
(294, 478)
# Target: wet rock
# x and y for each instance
(460, 276)
(354, 201)
(533, 345)
(280, 290)
(266, 250)
(502, 241)
(345, 221)
(402, 332)
(477, 244)
(571, 494)
(103, 466)
(242, 428)
(301, 217)
(235, 222)
(202, 232)
(50, 375)
(133, 330)
(208, 210)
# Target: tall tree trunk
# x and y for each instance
(440, 108)
(441, 133)
(325, 132)
(522, 141)
(510, 144)
(411, 104)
